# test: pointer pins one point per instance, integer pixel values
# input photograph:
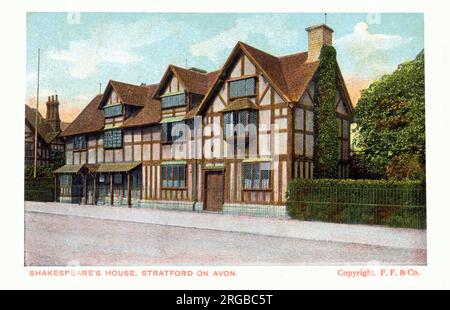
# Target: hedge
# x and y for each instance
(374, 202)
(39, 189)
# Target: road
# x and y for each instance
(60, 240)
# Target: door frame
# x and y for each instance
(205, 199)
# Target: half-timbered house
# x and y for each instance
(48, 130)
(226, 141)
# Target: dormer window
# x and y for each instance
(115, 110)
(242, 88)
(173, 100)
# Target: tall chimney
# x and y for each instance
(52, 116)
(318, 36)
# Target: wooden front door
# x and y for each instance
(213, 190)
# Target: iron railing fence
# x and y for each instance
(395, 206)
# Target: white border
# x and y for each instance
(435, 275)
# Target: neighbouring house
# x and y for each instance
(48, 130)
(226, 141)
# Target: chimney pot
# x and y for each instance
(49, 98)
(53, 98)
(56, 97)
(318, 36)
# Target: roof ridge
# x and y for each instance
(129, 84)
(293, 54)
(196, 72)
(285, 86)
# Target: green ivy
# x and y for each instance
(326, 144)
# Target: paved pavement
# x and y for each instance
(60, 240)
(318, 231)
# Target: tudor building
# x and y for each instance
(48, 129)
(228, 140)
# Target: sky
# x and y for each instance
(81, 50)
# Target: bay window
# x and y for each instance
(242, 118)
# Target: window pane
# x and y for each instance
(248, 175)
(265, 175)
(112, 138)
(173, 101)
(250, 86)
(256, 176)
(170, 176)
(117, 179)
(228, 124)
(176, 181)
(79, 142)
(253, 117)
(164, 176)
(113, 111)
(182, 176)
(244, 87)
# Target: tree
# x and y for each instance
(325, 126)
(390, 118)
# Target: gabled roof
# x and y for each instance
(193, 81)
(150, 113)
(289, 75)
(128, 93)
(44, 131)
(89, 120)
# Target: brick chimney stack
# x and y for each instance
(53, 113)
(318, 36)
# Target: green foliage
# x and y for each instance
(374, 202)
(325, 126)
(405, 167)
(56, 160)
(359, 168)
(39, 189)
(390, 118)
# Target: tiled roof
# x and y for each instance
(130, 94)
(45, 131)
(290, 75)
(89, 120)
(149, 114)
(193, 81)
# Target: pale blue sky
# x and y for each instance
(137, 48)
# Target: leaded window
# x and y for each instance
(112, 111)
(112, 139)
(242, 88)
(257, 175)
(232, 119)
(172, 101)
(173, 132)
(79, 142)
(117, 178)
(173, 176)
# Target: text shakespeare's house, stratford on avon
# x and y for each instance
(226, 141)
